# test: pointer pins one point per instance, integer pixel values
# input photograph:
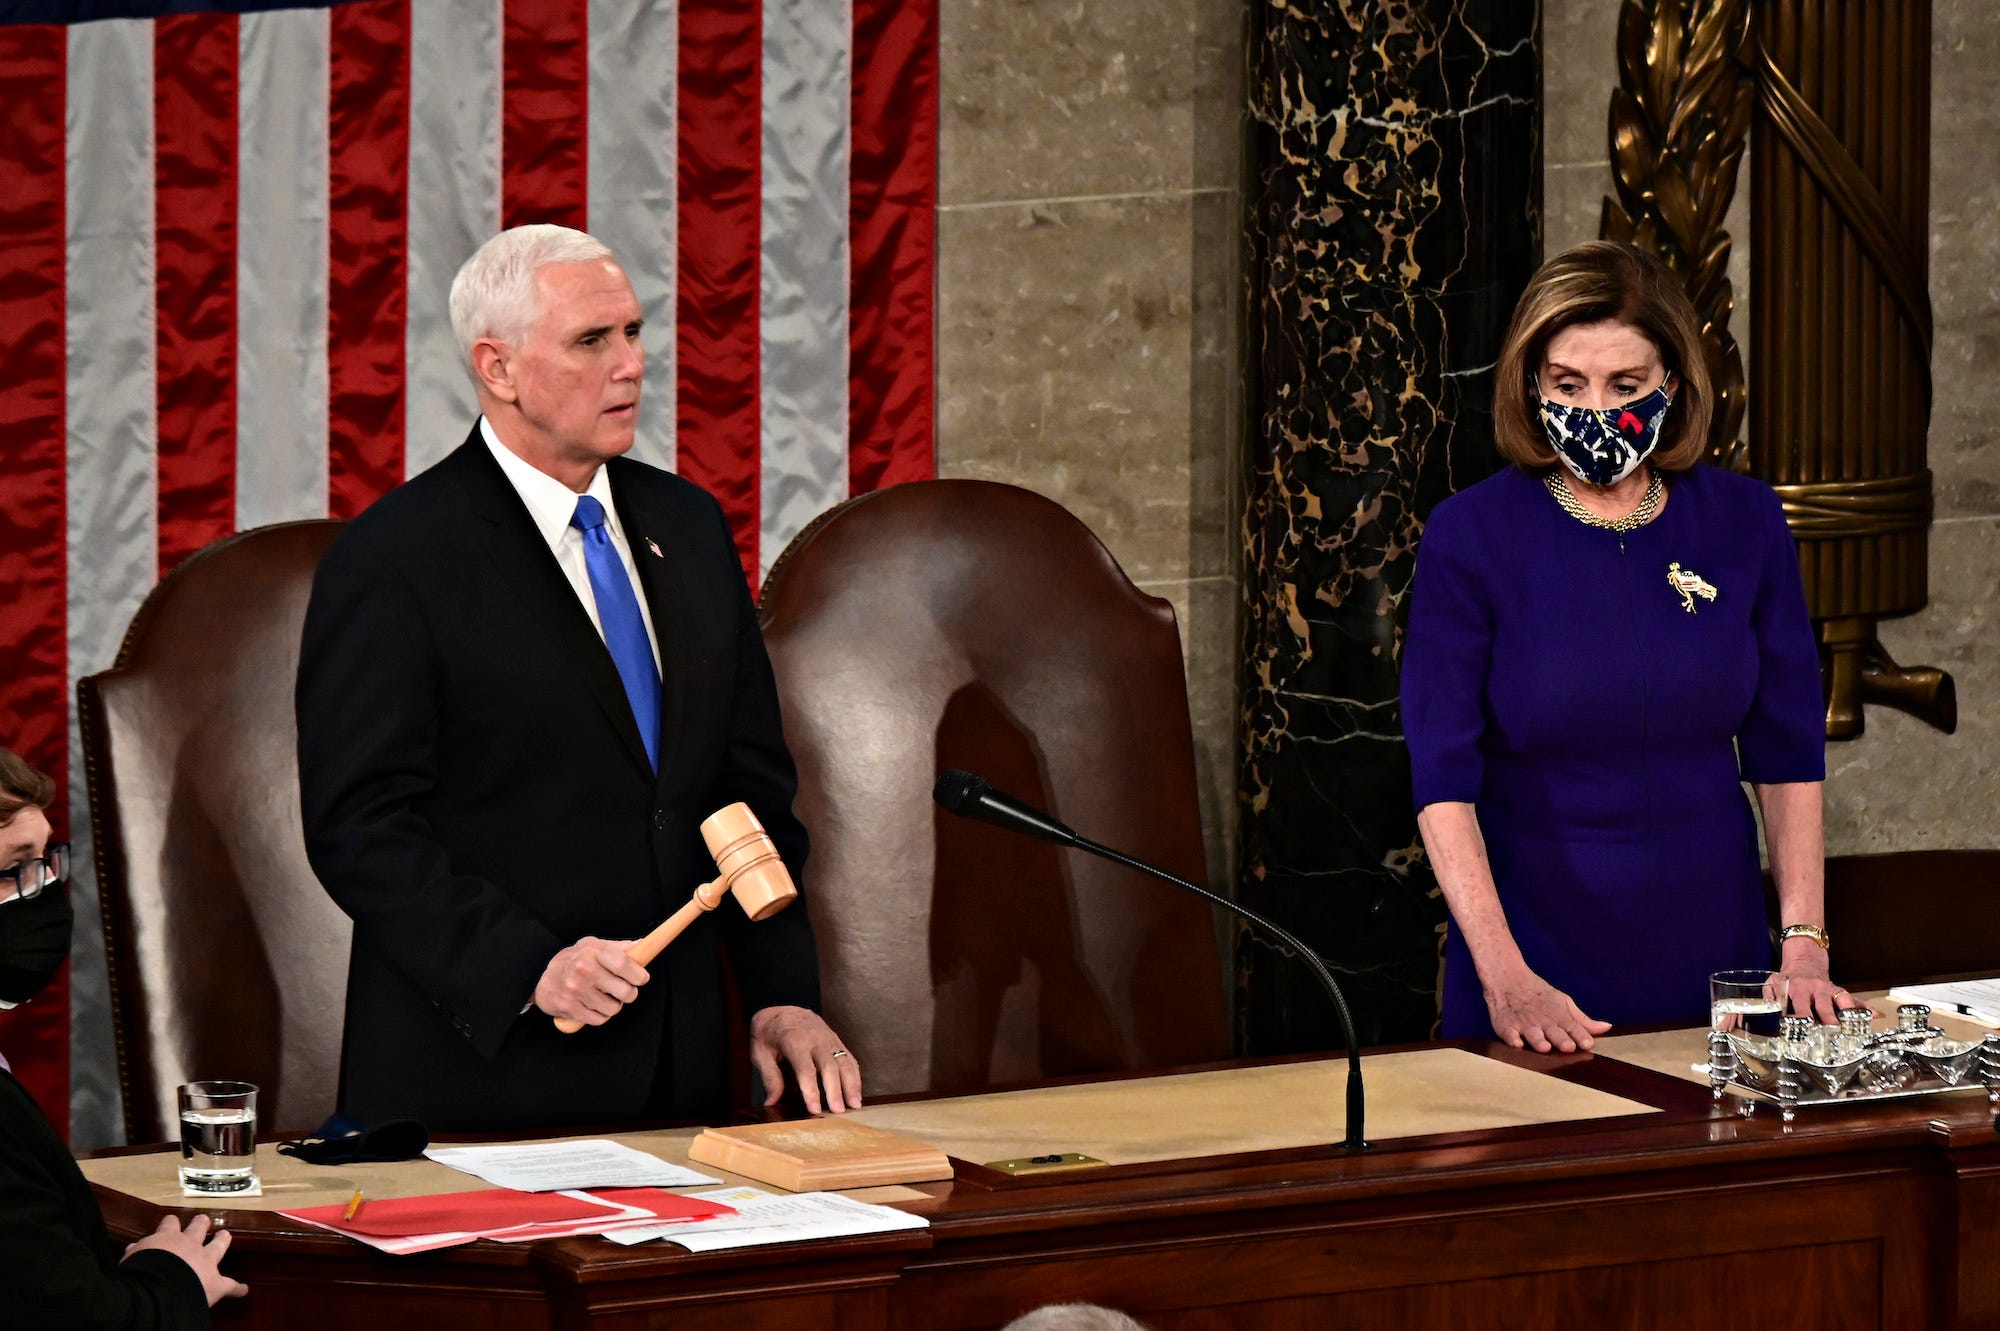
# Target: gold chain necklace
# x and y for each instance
(1649, 504)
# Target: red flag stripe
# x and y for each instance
(544, 113)
(368, 156)
(194, 129)
(718, 427)
(34, 620)
(892, 212)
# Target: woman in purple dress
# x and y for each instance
(1606, 641)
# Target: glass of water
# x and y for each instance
(1750, 1002)
(218, 1136)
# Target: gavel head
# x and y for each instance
(747, 864)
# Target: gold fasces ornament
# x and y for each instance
(1842, 328)
(1840, 222)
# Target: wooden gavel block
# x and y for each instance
(747, 867)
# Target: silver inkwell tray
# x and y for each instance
(1808, 1064)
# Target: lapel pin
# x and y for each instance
(1690, 585)
(654, 546)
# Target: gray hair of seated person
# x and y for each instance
(494, 293)
(1074, 1317)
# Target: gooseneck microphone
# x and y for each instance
(972, 797)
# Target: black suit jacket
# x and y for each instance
(476, 797)
(61, 1268)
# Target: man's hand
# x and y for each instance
(200, 1250)
(817, 1058)
(589, 981)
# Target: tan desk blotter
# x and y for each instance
(1287, 1106)
(1678, 1053)
(1139, 1119)
(292, 1184)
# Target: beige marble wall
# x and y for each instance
(1089, 298)
(1902, 785)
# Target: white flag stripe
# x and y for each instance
(808, 99)
(454, 202)
(281, 423)
(113, 476)
(633, 185)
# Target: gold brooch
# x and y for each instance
(1689, 585)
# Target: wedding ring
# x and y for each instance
(840, 1053)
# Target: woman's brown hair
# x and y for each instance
(1593, 282)
(21, 786)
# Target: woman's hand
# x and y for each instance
(1795, 837)
(1528, 1010)
(1809, 990)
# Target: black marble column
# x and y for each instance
(1396, 222)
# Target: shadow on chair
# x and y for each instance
(227, 959)
(987, 1024)
(968, 624)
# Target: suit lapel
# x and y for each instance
(662, 583)
(548, 602)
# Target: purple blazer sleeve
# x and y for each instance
(1446, 655)
(1783, 738)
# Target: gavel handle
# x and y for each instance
(643, 950)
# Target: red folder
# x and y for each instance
(493, 1211)
(479, 1212)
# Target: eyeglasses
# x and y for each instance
(25, 881)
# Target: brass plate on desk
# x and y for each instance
(1044, 1164)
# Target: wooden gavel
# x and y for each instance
(747, 868)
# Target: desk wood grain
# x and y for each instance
(1885, 1216)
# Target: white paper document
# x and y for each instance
(558, 1166)
(1975, 1000)
(763, 1217)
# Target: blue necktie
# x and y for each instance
(624, 630)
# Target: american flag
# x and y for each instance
(229, 230)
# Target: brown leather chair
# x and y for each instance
(1913, 914)
(227, 959)
(966, 624)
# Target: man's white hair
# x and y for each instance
(494, 293)
(1073, 1317)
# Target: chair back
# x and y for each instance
(1908, 915)
(226, 958)
(965, 624)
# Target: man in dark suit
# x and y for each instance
(527, 675)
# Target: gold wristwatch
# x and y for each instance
(1812, 931)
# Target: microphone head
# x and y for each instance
(970, 796)
(959, 791)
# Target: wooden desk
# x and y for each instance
(1887, 1216)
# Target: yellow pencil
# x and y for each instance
(353, 1205)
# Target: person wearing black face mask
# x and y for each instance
(62, 1268)
(1606, 641)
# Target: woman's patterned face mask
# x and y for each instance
(1602, 447)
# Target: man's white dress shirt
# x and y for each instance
(552, 504)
